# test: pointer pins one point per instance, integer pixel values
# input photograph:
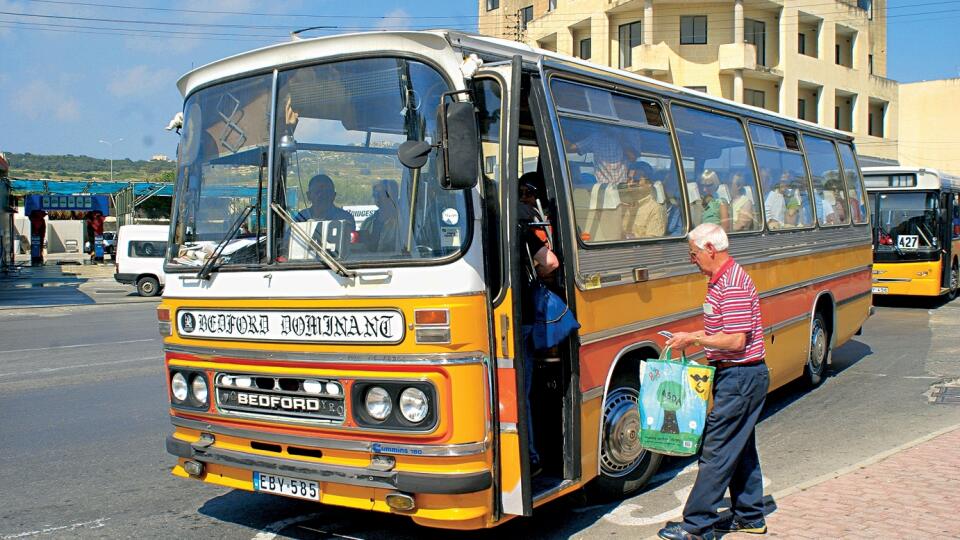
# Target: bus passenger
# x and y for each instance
(611, 154)
(742, 205)
(643, 216)
(321, 194)
(715, 209)
(775, 205)
(544, 263)
(379, 231)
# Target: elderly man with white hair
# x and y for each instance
(732, 338)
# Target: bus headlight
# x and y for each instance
(199, 387)
(414, 405)
(378, 402)
(178, 384)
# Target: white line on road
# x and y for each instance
(79, 366)
(270, 531)
(95, 524)
(78, 345)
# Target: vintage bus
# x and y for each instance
(916, 222)
(377, 363)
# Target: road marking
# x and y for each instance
(10, 351)
(270, 531)
(78, 366)
(623, 514)
(95, 524)
(920, 377)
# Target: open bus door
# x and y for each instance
(500, 170)
(526, 134)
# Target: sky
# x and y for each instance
(75, 73)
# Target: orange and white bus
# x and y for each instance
(345, 274)
(916, 242)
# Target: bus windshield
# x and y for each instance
(906, 221)
(337, 178)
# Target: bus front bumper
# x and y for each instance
(440, 484)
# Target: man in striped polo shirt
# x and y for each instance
(732, 338)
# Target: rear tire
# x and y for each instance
(148, 286)
(625, 466)
(816, 367)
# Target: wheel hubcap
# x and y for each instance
(622, 451)
(818, 348)
(954, 279)
(147, 287)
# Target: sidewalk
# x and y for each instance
(909, 493)
(63, 283)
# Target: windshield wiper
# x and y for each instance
(210, 264)
(306, 239)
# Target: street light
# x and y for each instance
(110, 144)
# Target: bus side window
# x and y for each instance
(783, 178)
(625, 184)
(828, 191)
(854, 184)
(721, 187)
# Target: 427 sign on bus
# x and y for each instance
(302, 326)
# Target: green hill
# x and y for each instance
(71, 167)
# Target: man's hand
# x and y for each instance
(682, 340)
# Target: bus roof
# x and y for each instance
(431, 43)
(926, 178)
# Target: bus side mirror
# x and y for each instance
(414, 154)
(460, 146)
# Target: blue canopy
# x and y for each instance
(53, 187)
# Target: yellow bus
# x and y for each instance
(916, 220)
(345, 299)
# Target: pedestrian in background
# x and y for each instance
(732, 338)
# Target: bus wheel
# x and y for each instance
(819, 349)
(954, 281)
(625, 466)
(148, 286)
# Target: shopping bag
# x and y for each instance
(553, 320)
(673, 404)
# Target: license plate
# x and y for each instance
(880, 290)
(284, 485)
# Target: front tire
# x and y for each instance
(625, 466)
(954, 281)
(816, 366)
(148, 286)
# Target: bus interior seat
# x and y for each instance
(696, 209)
(723, 192)
(604, 216)
(659, 194)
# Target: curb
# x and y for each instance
(803, 486)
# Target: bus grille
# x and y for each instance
(291, 398)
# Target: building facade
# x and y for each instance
(824, 62)
(929, 116)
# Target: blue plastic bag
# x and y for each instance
(673, 404)
(553, 320)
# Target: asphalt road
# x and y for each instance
(83, 418)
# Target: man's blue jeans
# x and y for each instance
(728, 456)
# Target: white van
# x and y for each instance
(139, 257)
